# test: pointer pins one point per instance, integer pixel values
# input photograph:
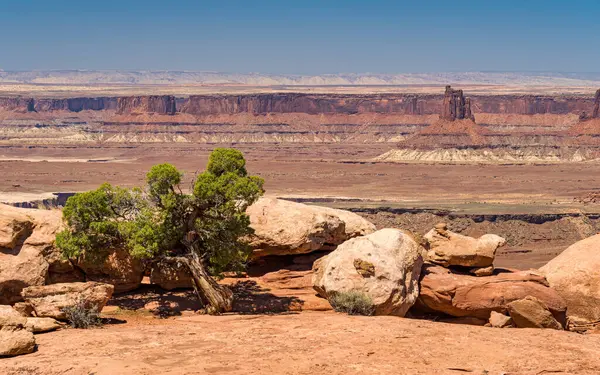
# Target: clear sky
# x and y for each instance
(301, 37)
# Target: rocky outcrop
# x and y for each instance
(171, 273)
(484, 155)
(504, 120)
(159, 104)
(14, 338)
(28, 256)
(596, 109)
(26, 248)
(575, 275)
(8, 311)
(284, 228)
(443, 291)
(452, 104)
(530, 312)
(24, 309)
(41, 325)
(447, 248)
(119, 269)
(17, 104)
(72, 104)
(456, 106)
(384, 265)
(50, 300)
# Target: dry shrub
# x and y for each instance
(82, 316)
(352, 303)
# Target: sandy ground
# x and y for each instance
(306, 343)
(302, 170)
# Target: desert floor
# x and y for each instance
(305, 170)
(305, 343)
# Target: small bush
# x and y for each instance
(81, 316)
(352, 303)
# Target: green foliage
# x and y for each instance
(81, 316)
(224, 160)
(226, 191)
(162, 180)
(95, 220)
(157, 220)
(352, 303)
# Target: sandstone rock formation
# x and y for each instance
(498, 320)
(483, 271)
(297, 117)
(384, 265)
(49, 300)
(487, 155)
(455, 294)
(24, 309)
(40, 325)
(28, 256)
(14, 338)
(596, 109)
(26, 238)
(354, 225)
(283, 227)
(455, 106)
(119, 269)
(452, 249)
(160, 104)
(530, 312)
(8, 311)
(170, 273)
(575, 275)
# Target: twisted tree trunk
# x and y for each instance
(217, 298)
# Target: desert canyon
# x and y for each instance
(468, 213)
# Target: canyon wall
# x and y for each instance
(406, 104)
(596, 110)
(501, 120)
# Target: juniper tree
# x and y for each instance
(204, 228)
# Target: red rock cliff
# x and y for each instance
(452, 104)
(456, 106)
(596, 110)
(164, 104)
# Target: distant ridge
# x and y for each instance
(258, 79)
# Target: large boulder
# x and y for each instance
(171, 273)
(459, 294)
(530, 312)
(452, 249)
(575, 275)
(119, 268)
(50, 300)
(28, 256)
(40, 325)
(14, 338)
(283, 227)
(384, 266)
(26, 238)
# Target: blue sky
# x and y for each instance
(301, 37)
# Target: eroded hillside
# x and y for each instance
(279, 118)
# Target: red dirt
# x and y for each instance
(307, 343)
